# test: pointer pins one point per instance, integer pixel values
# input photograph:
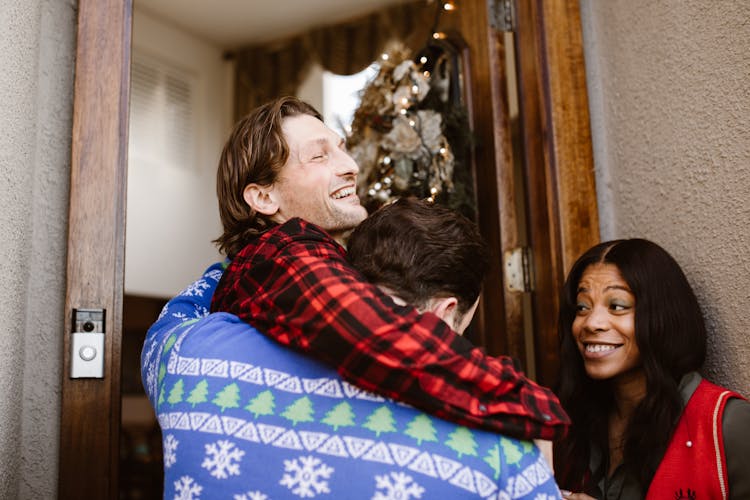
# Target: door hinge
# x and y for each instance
(519, 275)
(502, 14)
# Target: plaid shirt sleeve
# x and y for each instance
(294, 284)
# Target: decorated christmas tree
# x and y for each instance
(410, 134)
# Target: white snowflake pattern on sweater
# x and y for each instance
(170, 448)
(397, 486)
(187, 489)
(305, 477)
(222, 459)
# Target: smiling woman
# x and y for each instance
(604, 326)
(645, 424)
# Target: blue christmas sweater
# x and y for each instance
(244, 418)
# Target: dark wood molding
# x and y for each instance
(138, 314)
(90, 410)
(500, 317)
(560, 185)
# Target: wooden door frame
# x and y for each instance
(559, 186)
(90, 410)
(500, 317)
(561, 200)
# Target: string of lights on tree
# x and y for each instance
(410, 133)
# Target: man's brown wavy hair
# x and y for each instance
(254, 153)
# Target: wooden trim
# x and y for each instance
(570, 129)
(561, 203)
(138, 314)
(90, 413)
(501, 313)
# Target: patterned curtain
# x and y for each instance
(275, 69)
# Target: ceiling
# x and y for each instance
(233, 23)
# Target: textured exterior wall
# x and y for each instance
(37, 42)
(670, 103)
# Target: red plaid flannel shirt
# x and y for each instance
(294, 284)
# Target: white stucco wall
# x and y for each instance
(37, 46)
(669, 95)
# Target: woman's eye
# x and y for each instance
(319, 156)
(580, 307)
(618, 307)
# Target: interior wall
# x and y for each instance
(172, 210)
(37, 46)
(311, 89)
(668, 90)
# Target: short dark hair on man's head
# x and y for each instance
(254, 154)
(421, 251)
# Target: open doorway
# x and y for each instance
(557, 165)
(182, 108)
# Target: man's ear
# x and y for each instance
(444, 308)
(261, 199)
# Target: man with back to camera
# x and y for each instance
(244, 417)
(287, 192)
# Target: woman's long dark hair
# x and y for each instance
(671, 336)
